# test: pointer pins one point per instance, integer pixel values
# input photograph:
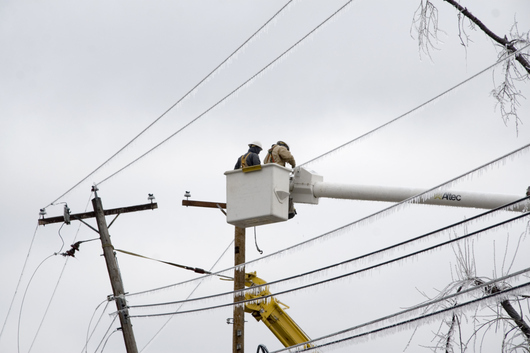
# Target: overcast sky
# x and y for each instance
(80, 80)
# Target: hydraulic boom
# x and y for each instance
(271, 312)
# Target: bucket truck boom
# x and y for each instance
(271, 312)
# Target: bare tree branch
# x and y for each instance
(509, 45)
(516, 61)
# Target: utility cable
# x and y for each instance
(105, 335)
(349, 274)
(177, 102)
(48, 306)
(269, 296)
(256, 242)
(500, 295)
(381, 127)
(364, 256)
(24, 298)
(60, 236)
(194, 269)
(19, 280)
(104, 345)
(244, 84)
(360, 221)
(189, 296)
(88, 333)
(56, 284)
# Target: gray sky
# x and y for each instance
(79, 81)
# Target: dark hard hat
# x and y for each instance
(281, 143)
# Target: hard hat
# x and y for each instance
(281, 143)
(255, 143)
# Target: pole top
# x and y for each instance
(95, 190)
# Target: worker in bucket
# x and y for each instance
(279, 153)
(251, 157)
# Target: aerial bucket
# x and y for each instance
(257, 196)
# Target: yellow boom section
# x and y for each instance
(271, 312)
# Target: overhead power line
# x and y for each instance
(336, 278)
(190, 268)
(267, 297)
(368, 255)
(244, 84)
(189, 296)
(193, 89)
(19, 280)
(358, 222)
(381, 127)
(471, 305)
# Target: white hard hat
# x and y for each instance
(255, 143)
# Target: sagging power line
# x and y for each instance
(336, 278)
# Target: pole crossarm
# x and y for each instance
(203, 204)
(79, 216)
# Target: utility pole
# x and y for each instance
(115, 277)
(238, 332)
(109, 254)
(238, 338)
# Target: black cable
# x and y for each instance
(364, 256)
(189, 295)
(256, 242)
(232, 92)
(175, 104)
(405, 322)
(262, 348)
(416, 108)
(356, 272)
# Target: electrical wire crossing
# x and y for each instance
(194, 269)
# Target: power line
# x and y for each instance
(177, 102)
(350, 261)
(189, 295)
(349, 274)
(49, 304)
(89, 334)
(56, 284)
(244, 84)
(358, 222)
(19, 280)
(24, 298)
(265, 297)
(422, 318)
(416, 108)
(267, 67)
(106, 333)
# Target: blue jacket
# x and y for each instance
(250, 158)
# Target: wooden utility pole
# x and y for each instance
(110, 256)
(115, 277)
(238, 332)
(238, 338)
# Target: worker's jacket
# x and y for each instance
(248, 159)
(280, 155)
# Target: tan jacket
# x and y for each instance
(280, 155)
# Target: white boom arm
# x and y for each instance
(308, 187)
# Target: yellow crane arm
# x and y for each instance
(271, 312)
